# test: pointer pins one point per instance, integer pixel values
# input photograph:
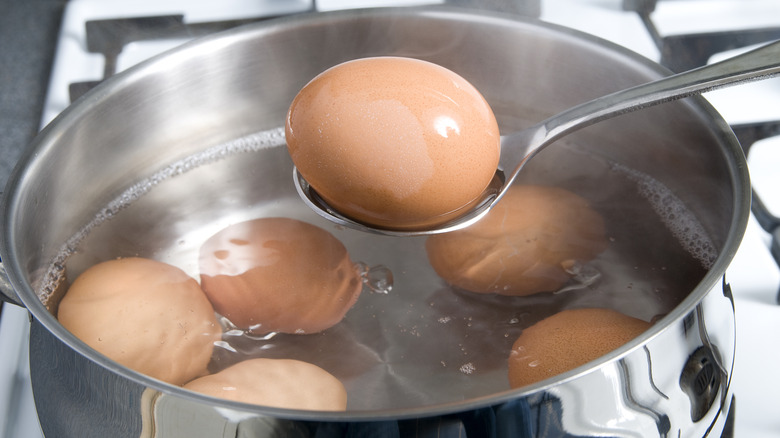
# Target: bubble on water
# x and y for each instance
(377, 279)
(250, 143)
(467, 368)
(683, 224)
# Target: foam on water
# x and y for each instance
(250, 143)
(682, 222)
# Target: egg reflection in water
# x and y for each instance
(397, 143)
(147, 315)
(279, 275)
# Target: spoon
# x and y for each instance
(519, 147)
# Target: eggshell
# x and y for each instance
(147, 315)
(523, 246)
(280, 383)
(396, 143)
(279, 275)
(567, 340)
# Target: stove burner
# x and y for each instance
(688, 51)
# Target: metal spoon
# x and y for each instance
(519, 147)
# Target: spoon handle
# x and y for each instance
(757, 64)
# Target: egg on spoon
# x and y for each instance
(392, 142)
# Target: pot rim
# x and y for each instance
(46, 139)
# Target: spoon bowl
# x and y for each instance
(477, 212)
(518, 148)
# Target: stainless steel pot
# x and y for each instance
(136, 168)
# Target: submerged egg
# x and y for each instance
(566, 340)
(279, 383)
(279, 275)
(147, 315)
(396, 143)
(524, 245)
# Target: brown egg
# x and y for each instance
(279, 275)
(147, 315)
(393, 142)
(524, 245)
(567, 340)
(279, 383)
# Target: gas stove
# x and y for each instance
(101, 37)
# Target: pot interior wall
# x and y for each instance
(139, 132)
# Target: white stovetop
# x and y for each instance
(753, 274)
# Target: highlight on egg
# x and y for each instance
(526, 244)
(279, 275)
(392, 142)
